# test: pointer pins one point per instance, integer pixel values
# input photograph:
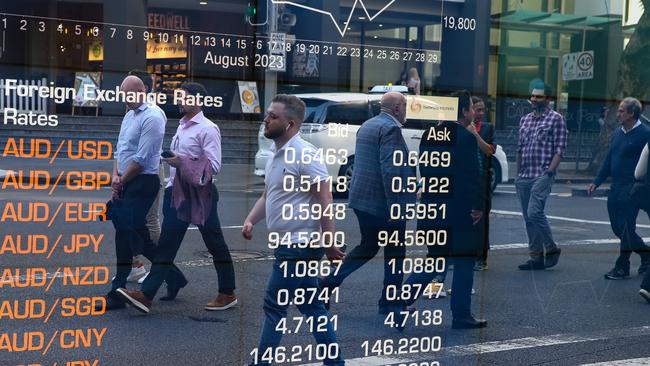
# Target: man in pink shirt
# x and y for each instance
(197, 138)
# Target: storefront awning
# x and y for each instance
(539, 21)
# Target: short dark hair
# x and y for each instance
(464, 101)
(548, 91)
(294, 107)
(146, 78)
(476, 100)
(192, 88)
(634, 106)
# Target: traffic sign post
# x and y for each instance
(579, 66)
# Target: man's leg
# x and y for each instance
(393, 253)
(524, 187)
(131, 236)
(162, 263)
(481, 263)
(273, 311)
(538, 195)
(633, 241)
(461, 295)
(316, 310)
(362, 253)
(216, 244)
(616, 210)
(153, 219)
(124, 257)
(645, 284)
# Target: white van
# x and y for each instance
(331, 123)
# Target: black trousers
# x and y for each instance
(485, 223)
(622, 215)
(172, 233)
(131, 233)
(370, 227)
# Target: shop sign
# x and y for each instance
(432, 108)
(168, 21)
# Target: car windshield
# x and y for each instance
(312, 111)
(354, 113)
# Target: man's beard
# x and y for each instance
(273, 134)
(539, 107)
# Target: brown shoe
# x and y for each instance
(222, 302)
(135, 298)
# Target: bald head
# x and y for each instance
(132, 85)
(394, 103)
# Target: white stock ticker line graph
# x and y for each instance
(342, 30)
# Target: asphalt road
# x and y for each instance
(568, 315)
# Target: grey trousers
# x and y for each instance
(153, 216)
(533, 193)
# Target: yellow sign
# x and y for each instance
(432, 108)
(96, 51)
(157, 50)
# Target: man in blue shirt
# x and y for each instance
(135, 184)
(624, 150)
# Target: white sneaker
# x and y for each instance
(473, 291)
(136, 273)
(141, 280)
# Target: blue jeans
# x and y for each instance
(274, 312)
(533, 193)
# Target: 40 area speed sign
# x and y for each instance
(578, 66)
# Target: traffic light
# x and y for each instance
(257, 12)
(251, 11)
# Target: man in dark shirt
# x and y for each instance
(484, 133)
(463, 204)
(624, 151)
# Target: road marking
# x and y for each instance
(630, 362)
(563, 195)
(560, 218)
(476, 349)
(543, 341)
(192, 227)
(566, 243)
(366, 361)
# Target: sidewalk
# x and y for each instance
(566, 174)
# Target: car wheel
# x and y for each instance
(346, 171)
(495, 174)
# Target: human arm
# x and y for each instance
(323, 197)
(485, 148)
(257, 213)
(391, 140)
(152, 132)
(560, 134)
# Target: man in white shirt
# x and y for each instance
(295, 160)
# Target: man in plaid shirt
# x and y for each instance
(542, 141)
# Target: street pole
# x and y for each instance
(580, 109)
(271, 77)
